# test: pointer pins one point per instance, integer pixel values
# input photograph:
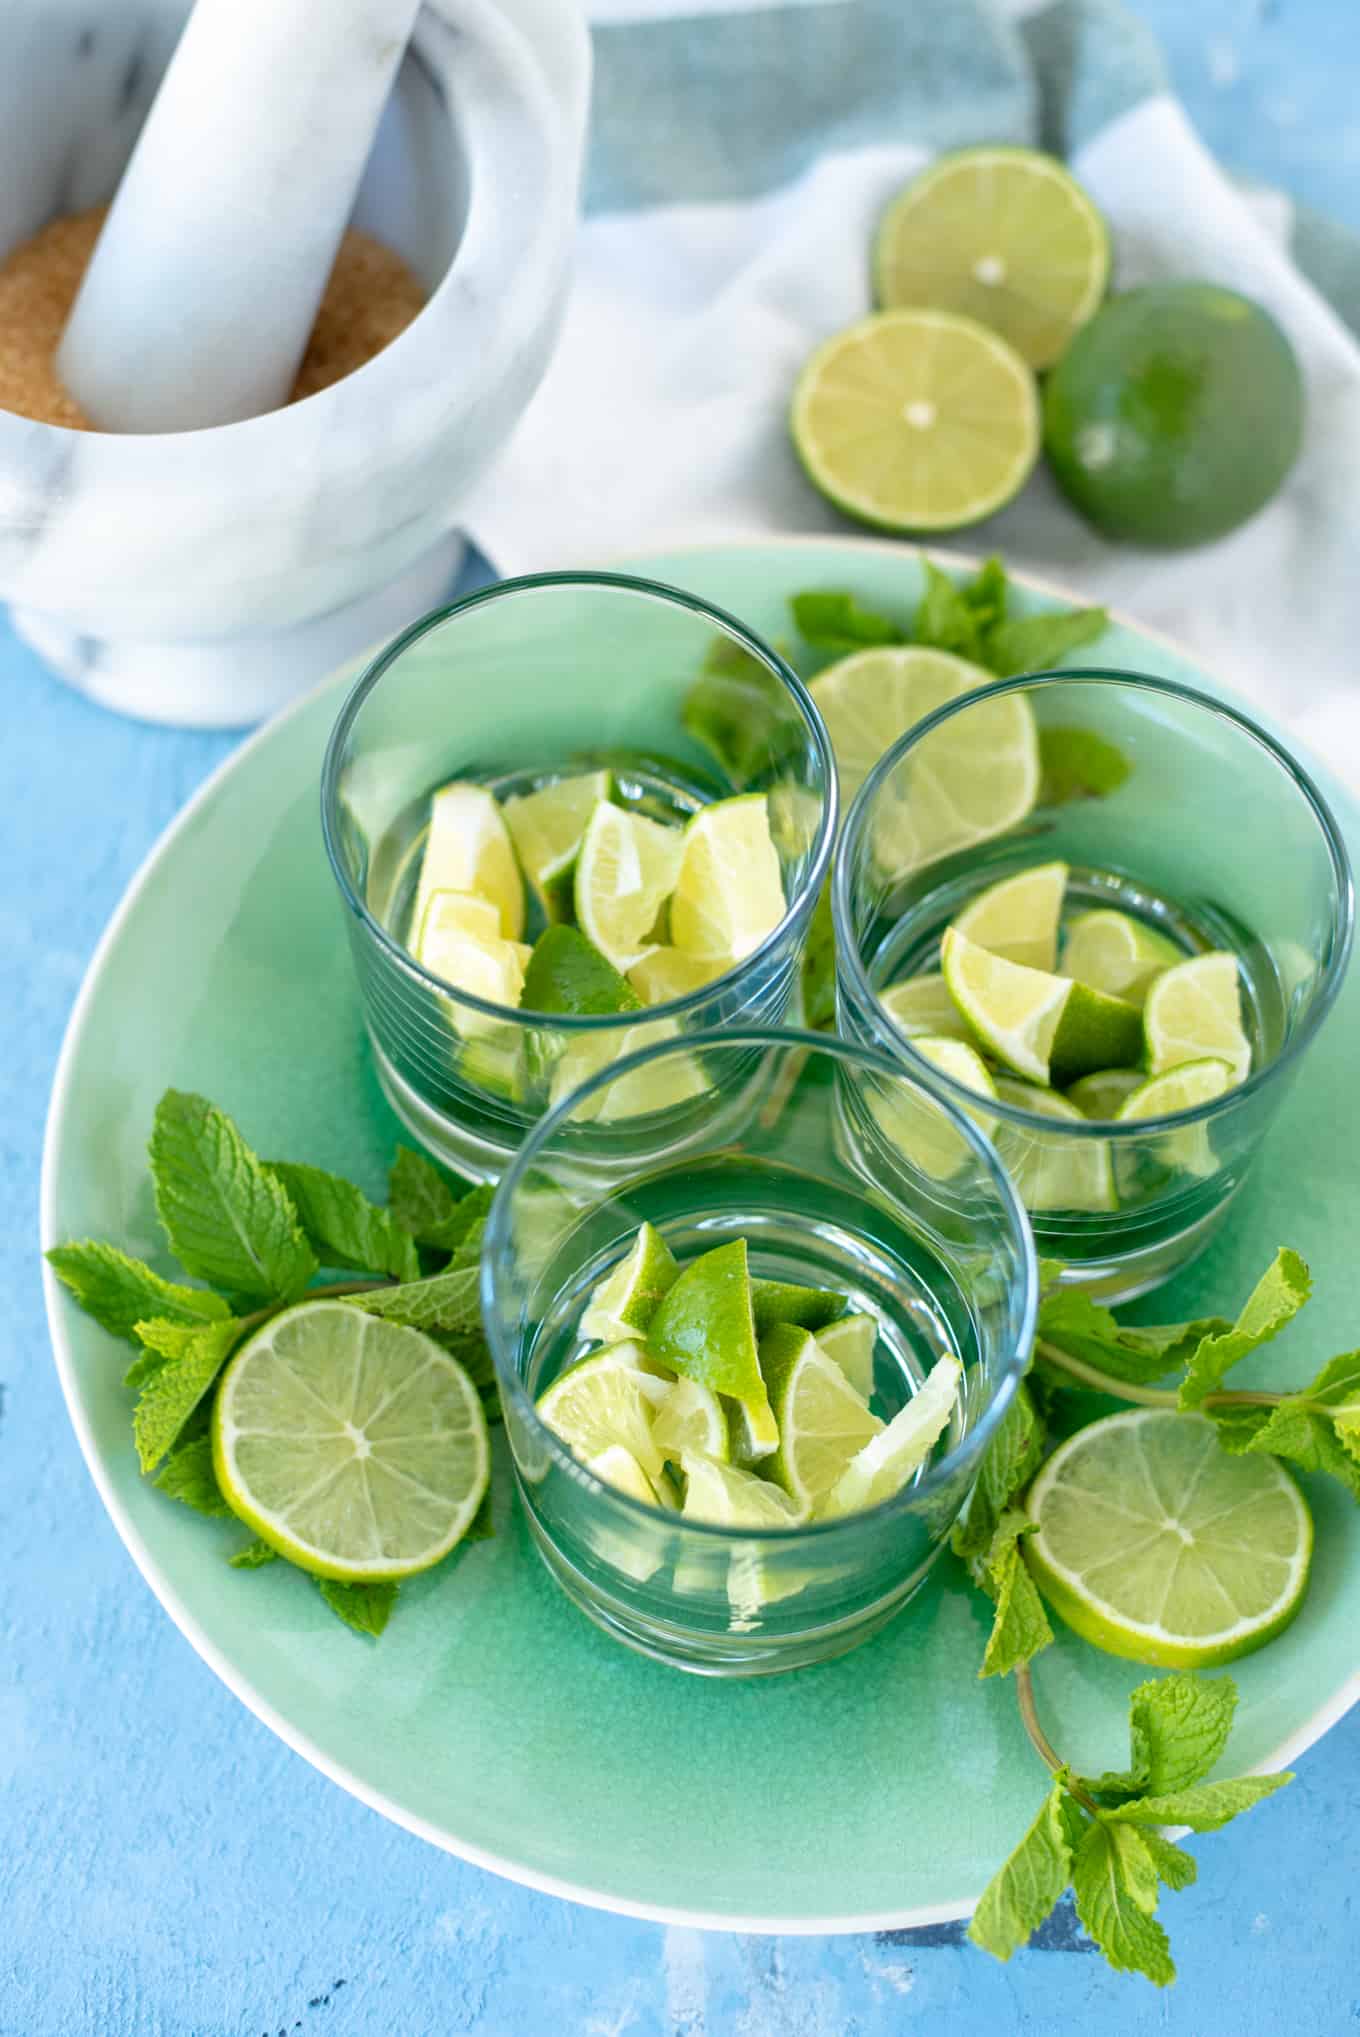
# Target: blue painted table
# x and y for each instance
(169, 1869)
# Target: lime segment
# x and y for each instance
(879, 1471)
(1051, 1172)
(664, 973)
(823, 1422)
(1018, 918)
(729, 890)
(705, 1330)
(1044, 1027)
(784, 1301)
(732, 1498)
(1155, 1544)
(624, 1302)
(355, 1447)
(468, 849)
(603, 1400)
(1194, 1012)
(455, 946)
(1101, 1095)
(625, 872)
(1114, 952)
(850, 1342)
(870, 699)
(567, 974)
(547, 828)
(923, 1005)
(690, 1419)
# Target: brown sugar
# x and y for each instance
(372, 296)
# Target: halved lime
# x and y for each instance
(1003, 235)
(1114, 952)
(1194, 1012)
(922, 1005)
(355, 1447)
(1047, 1028)
(625, 1301)
(850, 1343)
(729, 890)
(705, 1329)
(547, 828)
(663, 973)
(1101, 1095)
(1051, 1172)
(625, 872)
(882, 1467)
(467, 848)
(823, 1422)
(917, 421)
(602, 1400)
(975, 778)
(871, 698)
(690, 1419)
(1155, 1544)
(1018, 917)
(732, 1498)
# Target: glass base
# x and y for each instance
(1124, 1276)
(453, 1144)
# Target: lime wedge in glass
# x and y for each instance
(883, 1466)
(872, 697)
(1050, 1172)
(972, 779)
(917, 1127)
(1003, 235)
(1185, 1088)
(705, 1330)
(690, 1419)
(547, 828)
(1194, 1012)
(922, 1005)
(616, 1466)
(917, 421)
(663, 973)
(567, 974)
(1154, 1543)
(468, 848)
(1114, 952)
(850, 1342)
(732, 1498)
(1101, 1095)
(625, 872)
(624, 1302)
(455, 946)
(1018, 918)
(602, 1400)
(783, 1301)
(355, 1447)
(456, 912)
(822, 1421)
(1044, 1027)
(729, 890)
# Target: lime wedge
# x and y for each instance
(603, 1400)
(1101, 1095)
(1003, 235)
(494, 1060)
(625, 872)
(1194, 1012)
(871, 698)
(1185, 1088)
(823, 1422)
(663, 973)
(1018, 918)
(1044, 1027)
(468, 848)
(729, 892)
(547, 828)
(567, 974)
(480, 964)
(974, 778)
(705, 1329)
(618, 1467)
(917, 1128)
(690, 1420)
(456, 912)
(661, 1086)
(1051, 1172)
(850, 1342)
(353, 1446)
(1155, 1544)
(732, 1498)
(1114, 952)
(624, 1302)
(879, 1471)
(922, 1005)
(917, 421)
(782, 1301)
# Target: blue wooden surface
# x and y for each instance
(168, 1869)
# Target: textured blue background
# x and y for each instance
(168, 1869)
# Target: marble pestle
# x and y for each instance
(198, 303)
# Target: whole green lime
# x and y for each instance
(1175, 414)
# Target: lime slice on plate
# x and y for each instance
(624, 1302)
(1002, 235)
(1051, 1172)
(823, 1422)
(1018, 917)
(663, 973)
(1194, 1013)
(705, 1329)
(850, 1342)
(690, 1420)
(602, 1400)
(879, 1471)
(732, 1498)
(1044, 1027)
(872, 697)
(975, 778)
(1114, 952)
(1154, 1543)
(917, 421)
(467, 848)
(625, 872)
(1101, 1095)
(547, 828)
(729, 890)
(355, 1447)
(922, 1005)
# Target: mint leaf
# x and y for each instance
(343, 1227)
(1020, 1628)
(1025, 1888)
(1273, 1303)
(1238, 1427)
(1072, 1322)
(1308, 1440)
(1114, 1880)
(420, 1198)
(172, 1394)
(1205, 1807)
(948, 621)
(1008, 1464)
(836, 625)
(738, 710)
(1337, 1388)
(1076, 763)
(1178, 1728)
(228, 1219)
(446, 1301)
(1034, 643)
(120, 1292)
(1176, 1867)
(817, 975)
(253, 1556)
(469, 1249)
(143, 1367)
(188, 1476)
(365, 1607)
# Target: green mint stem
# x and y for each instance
(245, 1324)
(1042, 1745)
(1146, 1396)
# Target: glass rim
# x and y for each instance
(497, 1243)
(849, 959)
(796, 910)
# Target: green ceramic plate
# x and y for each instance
(493, 1719)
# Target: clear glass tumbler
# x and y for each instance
(1168, 807)
(514, 687)
(811, 1149)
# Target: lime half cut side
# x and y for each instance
(1003, 235)
(917, 421)
(975, 777)
(355, 1447)
(872, 697)
(1154, 1543)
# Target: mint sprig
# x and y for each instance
(229, 1220)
